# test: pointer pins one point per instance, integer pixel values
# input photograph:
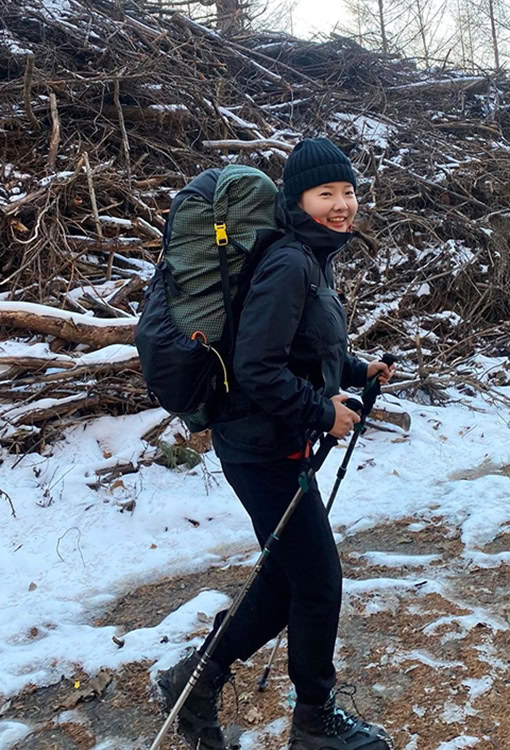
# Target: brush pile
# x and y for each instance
(107, 111)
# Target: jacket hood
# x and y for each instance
(323, 242)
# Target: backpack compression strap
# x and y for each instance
(222, 242)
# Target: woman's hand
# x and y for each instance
(345, 418)
(379, 368)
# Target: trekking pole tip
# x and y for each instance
(263, 681)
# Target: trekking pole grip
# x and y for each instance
(373, 387)
(389, 359)
(354, 404)
(326, 443)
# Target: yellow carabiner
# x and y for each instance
(221, 234)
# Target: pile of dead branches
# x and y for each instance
(105, 112)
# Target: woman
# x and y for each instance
(290, 362)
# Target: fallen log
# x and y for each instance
(84, 371)
(400, 418)
(47, 408)
(255, 145)
(69, 326)
(462, 83)
(37, 363)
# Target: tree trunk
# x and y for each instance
(383, 26)
(423, 32)
(229, 15)
(460, 25)
(494, 34)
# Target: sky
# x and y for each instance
(314, 16)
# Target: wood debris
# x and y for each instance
(107, 111)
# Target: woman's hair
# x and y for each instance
(362, 230)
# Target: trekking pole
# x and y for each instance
(363, 408)
(369, 396)
(326, 443)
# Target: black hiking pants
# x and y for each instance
(300, 584)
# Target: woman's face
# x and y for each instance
(334, 205)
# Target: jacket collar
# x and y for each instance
(323, 242)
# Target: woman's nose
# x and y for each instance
(340, 203)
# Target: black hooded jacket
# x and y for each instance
(291, 348)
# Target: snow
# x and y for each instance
(12, 732)
(169, 107)
(369, 129)
(70, 551)
(423, 290)
(382, 308)
(392, 560)
(465, 623)
(253, 740)
(459, 743)
(56, 362)
(12, 45)
(41, 350)
(116, 220)
(9, 170)
(43, 403)
(56, 176)
(432, 81)
(35, 309)
(285, 105)
(238, 120)
(478, 686)
(55, 8)
(413, 743)
(111, 353)
(100, 291)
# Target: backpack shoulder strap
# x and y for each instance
(226, 291)
(319, 280)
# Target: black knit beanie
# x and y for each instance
(313, 162)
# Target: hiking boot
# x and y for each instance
(198, 718)
(329, 727)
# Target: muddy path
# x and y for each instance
(424, 637)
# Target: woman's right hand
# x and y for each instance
(345, 418)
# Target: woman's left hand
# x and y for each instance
(382, 370)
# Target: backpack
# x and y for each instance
(217, 231)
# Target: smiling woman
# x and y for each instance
(321, 180)
(290, 360)
(334, 204)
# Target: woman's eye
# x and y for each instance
(325, 195)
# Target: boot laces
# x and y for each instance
(336, 719)
(217, 686)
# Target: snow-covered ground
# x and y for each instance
(71, 549)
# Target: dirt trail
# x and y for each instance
(425, 640)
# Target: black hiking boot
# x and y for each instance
(329, 727)
(198, 718)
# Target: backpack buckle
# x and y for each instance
(221, 234)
